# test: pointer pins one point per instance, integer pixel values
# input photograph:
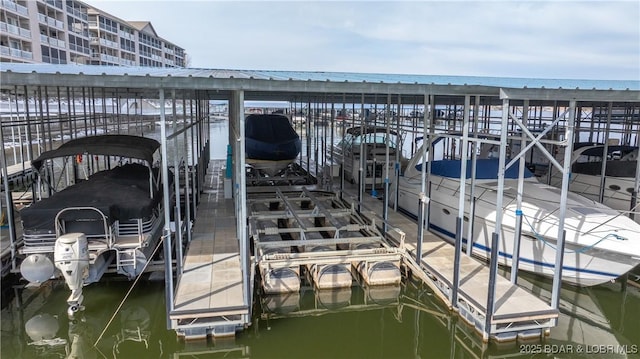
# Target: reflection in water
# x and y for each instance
(40, 328)
(405, 321)
(377, 322)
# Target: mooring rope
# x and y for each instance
(129, 292)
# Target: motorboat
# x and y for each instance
(619, 177)
(100, 207)
(600, 243)
(371, 143)
(271, 143)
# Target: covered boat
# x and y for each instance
(102, 208)
(271, 143)
(370, 143)
(601, 245)
(618, 182)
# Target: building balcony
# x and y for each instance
(50, 21)
(16, 30)
(54, 3)
(127, 35)
(81, 49)
(12, 6)
(127, 62)
(7, 51)
(111, 29)
(77, 13)
(106, 58)
(44, 39)
(53, 60)
(103, 42)
(128, 49)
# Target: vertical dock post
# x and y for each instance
(166, 232)
(557, 275)
(456, 264)
(176, 183)
(461, 201)
(493, 273)
(385, 211)
(237, 116)
(515, 258)
(9, 201)
(498, 227)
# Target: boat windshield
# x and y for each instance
(350, 140)
(446, 163)
(378, 138)
(615, 153)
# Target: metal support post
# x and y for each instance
(166, 233)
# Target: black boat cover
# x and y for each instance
(271, 137)
(121, 193)
(106, 145)
(270, 128)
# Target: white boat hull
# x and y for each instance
(271, 168)
(617, 191)
(589, 259)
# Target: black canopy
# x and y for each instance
(106, 145)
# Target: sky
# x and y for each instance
(559, 39)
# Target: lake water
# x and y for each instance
(394, 322)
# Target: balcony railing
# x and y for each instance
(53, 60)
(127, 62)
(50, 21)
(128, 48)
(78, 48)
(77, 13)
(16, 30)
(112, 29)
(127, 35)
(52, 41)
(7, 51)
(54, 3)
(10, 5)
(105, 57)
(109, 43)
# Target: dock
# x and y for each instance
(518, 313)
(209, 298)
(19, 174)
(209, 295)
(214, 281)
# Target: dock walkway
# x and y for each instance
(518, 313)
(19, 173)
(209, 299)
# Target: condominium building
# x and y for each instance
(70, 31)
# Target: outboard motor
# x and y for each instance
(71, 257)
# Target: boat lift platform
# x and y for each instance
(321, 233)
